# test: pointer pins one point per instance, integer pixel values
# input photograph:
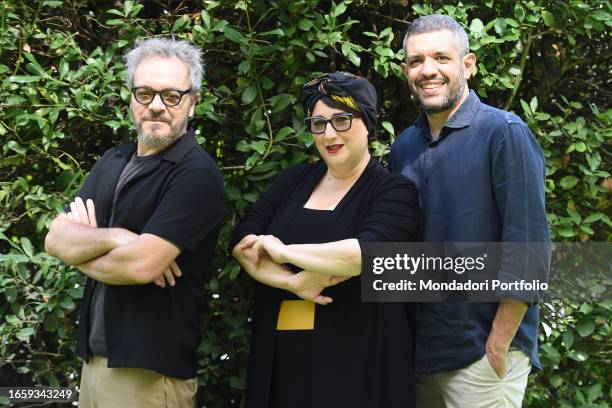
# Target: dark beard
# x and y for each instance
(449, 102)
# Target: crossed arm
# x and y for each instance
(114, 256)
(264, 258)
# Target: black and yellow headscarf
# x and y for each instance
(356, 93)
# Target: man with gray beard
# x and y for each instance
(480, 175)
(148, 213)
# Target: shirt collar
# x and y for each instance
(461, 118)
(174, 153)
(465, 113)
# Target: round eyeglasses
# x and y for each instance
(169, 97)
(340, 122)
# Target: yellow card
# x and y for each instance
(296, 315)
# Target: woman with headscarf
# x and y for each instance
(314, 344)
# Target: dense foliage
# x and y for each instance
(63, 102)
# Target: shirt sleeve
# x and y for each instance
(191, 207)
(260, 213)
(394, 216)
(518, 174)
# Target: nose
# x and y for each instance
(329, 130)
(429, 68)
(157, 104)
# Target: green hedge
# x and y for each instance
(63, 102)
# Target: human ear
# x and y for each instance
(469, 64)
(194, 102)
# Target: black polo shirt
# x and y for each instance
(178, 196)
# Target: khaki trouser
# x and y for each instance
(103, 387)
(476, 386)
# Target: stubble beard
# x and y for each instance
(454, 96)
(158, 142)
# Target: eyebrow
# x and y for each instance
(443, 52)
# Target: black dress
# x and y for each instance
(359, 354)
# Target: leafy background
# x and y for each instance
(63, 102)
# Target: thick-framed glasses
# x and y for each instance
(169, 97)
(340, 122)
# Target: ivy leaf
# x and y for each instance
(283, 133)
(594, 160)
(549, 19)
(249, 94)
(551, 353)
(565, 231)
(25, 333)
(354, 58)
(519, 12)
(593, 217)
(305, 24)
(568, 182)
(514, 70)
(568, 339)
(555, 380)
(477, 26)
(578, 355)
(281, 101)
(338, 9)
(26, 245)
(585, 326)
(533, 104)
(388, 127)
(260, 147)
(233, 35)
(22, 79)
(115, 22)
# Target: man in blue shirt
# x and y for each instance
(480, 174)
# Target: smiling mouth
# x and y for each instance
(334, 148)
(431, 85)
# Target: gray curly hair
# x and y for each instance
(168, 48)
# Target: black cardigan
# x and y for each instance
(363, 352)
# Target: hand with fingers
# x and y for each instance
(83, 212)
(169, 276)
(261, 245)
(309, 285)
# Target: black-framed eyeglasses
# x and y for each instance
(341, 122)
(169, 97)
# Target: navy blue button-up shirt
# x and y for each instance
(481, 181)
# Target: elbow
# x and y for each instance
(49, 247)
(53, 248)
(53, 239)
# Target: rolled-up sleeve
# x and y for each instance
(518, 176)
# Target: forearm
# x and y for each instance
(104, 269)
(267, 271)
(339, 258)
(76, 243)
(507, 320)
(126, 265)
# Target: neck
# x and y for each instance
(437, 120)
(351, 174)
(142, 150)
